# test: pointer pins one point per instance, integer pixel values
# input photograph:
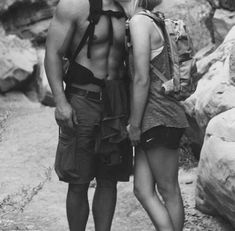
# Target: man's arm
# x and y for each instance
(58, 40)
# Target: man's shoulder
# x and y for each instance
(73, 9)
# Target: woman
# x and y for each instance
(156, 124)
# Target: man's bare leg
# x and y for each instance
(77, 206)
(104, 204)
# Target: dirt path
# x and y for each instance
(31, 197)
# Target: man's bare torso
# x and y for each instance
(106, 60)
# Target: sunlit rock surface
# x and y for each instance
(216, 89)
(215, 187)
(17, 61)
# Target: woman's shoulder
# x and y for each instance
(140, 20)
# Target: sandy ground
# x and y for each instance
(32, 198)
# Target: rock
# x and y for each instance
(214, 3)
(5, 5)
(205, 51)
(45, 95)
(27, 18)
(215, 187)
(224, 4)
(195, 14)
(228, 4)
(217, 84)
(223, 21)
(17, 61)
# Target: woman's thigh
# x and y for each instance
(163, 163)
(143, 178)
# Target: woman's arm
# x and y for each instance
(141, 41)
(140, 35)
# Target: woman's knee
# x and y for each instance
(141, 193)
(78, 188)
(169, 190)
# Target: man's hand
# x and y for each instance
(134, 134)
(65, 115)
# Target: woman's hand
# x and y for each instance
(134, 134)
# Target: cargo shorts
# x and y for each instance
(77, 161)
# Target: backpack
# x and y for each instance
(180, 53)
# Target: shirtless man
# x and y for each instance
(79, 110)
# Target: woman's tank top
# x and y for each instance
(161, 109)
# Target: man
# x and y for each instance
(80, 108)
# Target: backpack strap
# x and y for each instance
(93, 18)
(158, 73)
(159, 18)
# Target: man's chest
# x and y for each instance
(110, 28)
(107, 30)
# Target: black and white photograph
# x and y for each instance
(117, 115)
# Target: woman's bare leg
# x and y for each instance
(164, 167)
(144, 189)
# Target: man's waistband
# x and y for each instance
(88, 94)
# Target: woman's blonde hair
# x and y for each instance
(145, 4)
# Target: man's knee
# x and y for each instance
(78, 188)
(105, 183)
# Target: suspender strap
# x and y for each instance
(82, 43)
(94, 16)
(95, 8)
(159, 20)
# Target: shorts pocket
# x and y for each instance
(66, 165)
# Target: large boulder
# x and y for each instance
(17, 62)
(216, 89)
(215, 187)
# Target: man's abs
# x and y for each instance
(106, 59)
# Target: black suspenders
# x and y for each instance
(94, 17)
